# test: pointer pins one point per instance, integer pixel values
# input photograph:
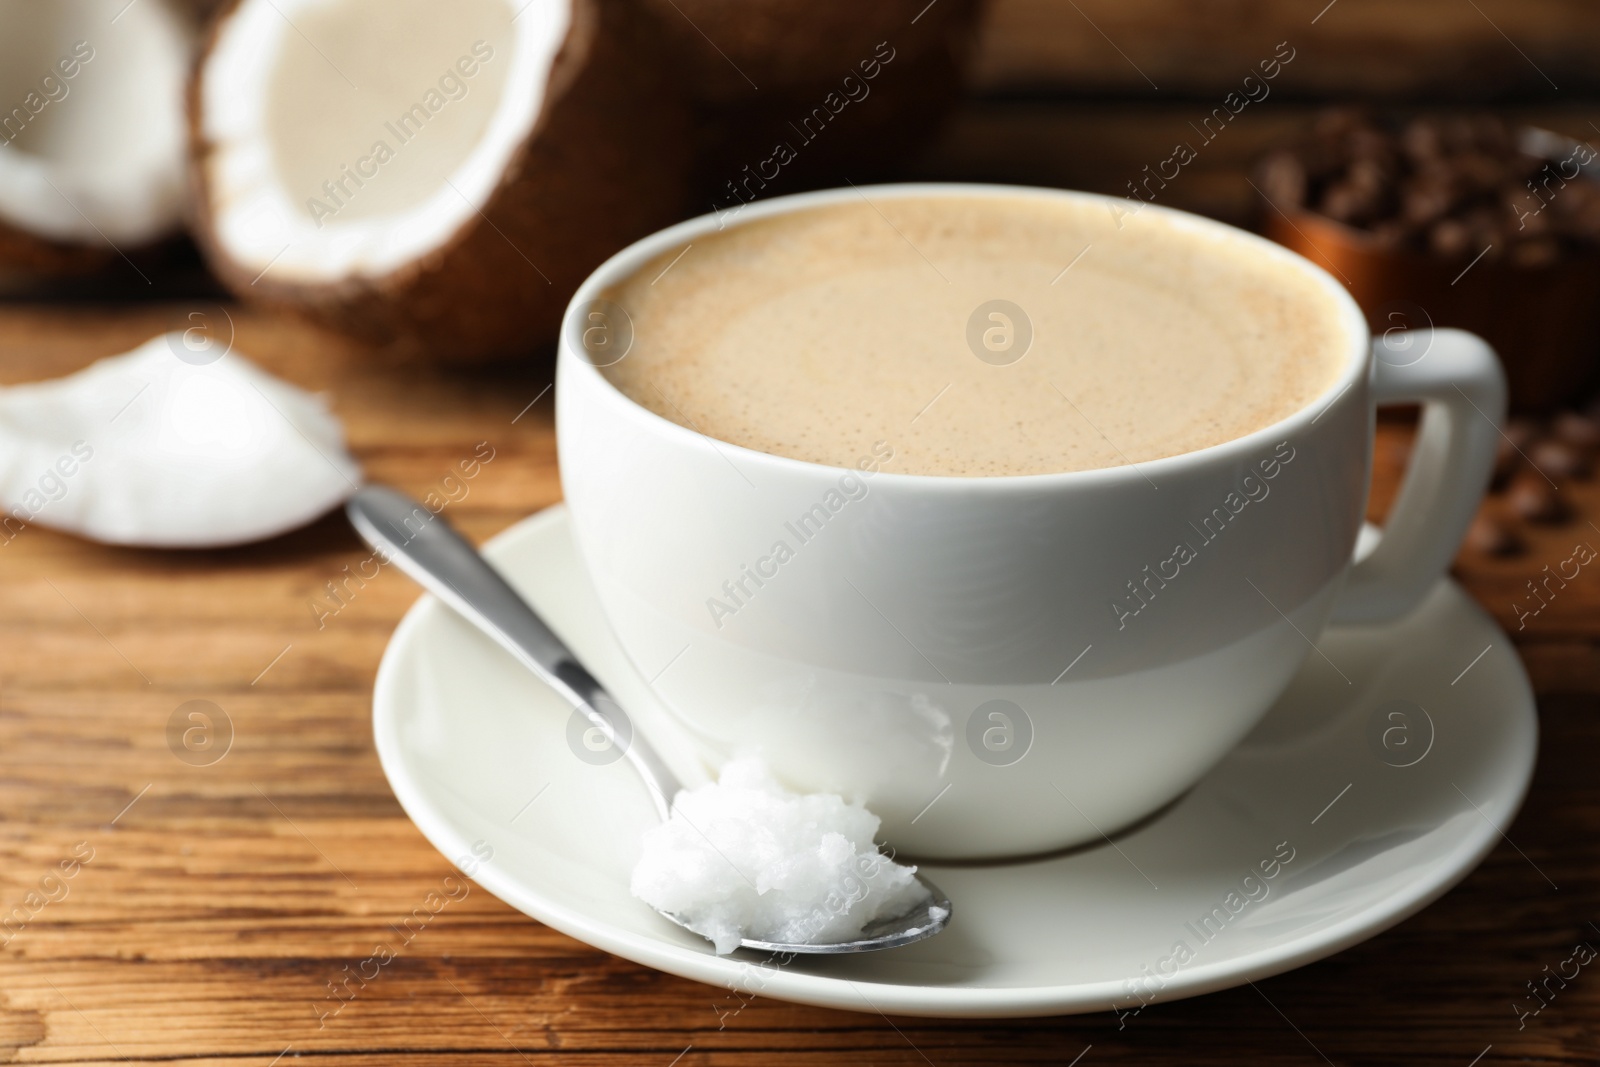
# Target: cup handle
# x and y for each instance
(1462, 389)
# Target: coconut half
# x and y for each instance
(438, 176)
(169, 446)
(91, 129)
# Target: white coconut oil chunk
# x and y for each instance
(147, 448)
(743, 857)
(420, 108)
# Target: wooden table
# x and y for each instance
(210, 907)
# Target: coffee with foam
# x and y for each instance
(977, 335)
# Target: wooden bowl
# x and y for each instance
(1544, 321)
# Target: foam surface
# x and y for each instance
(816, 334)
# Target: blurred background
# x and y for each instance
(1084, 94)
(1095, 95)
(1437, 156)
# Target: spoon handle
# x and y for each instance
(444, 563)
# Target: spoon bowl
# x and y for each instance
(922, 921)
(444, 563)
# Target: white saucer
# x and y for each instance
(478, 753)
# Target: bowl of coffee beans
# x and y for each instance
(1454, 220)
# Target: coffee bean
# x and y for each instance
(1427, 198)
(1560, 460)
(1492, 537)
(1449, 238)
(1422, 140)
(1580, 431)
(1511, 451)
(1457, 134)
(1528, 211)
(1371, 145)
(1283, 180)
(1378, 183)
(1536, 500)
(1456, 186)
(1520, 432)
(1344, 202)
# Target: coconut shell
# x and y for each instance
(31, 265)
(201, 10)
(33, 255)
(25, 253)
(755, 69)
(606, 162)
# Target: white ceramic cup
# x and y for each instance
(1007, 665)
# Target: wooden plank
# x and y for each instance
(1428, 49)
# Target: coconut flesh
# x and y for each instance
(170, 445)
(353, 138)
(742, 857)
(91, 120)
(412, 171)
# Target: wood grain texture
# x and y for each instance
(1434, 49)
(220, 902)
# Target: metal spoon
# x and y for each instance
(444, 563)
